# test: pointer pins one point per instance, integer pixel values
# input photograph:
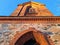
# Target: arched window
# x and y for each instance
(32, 10)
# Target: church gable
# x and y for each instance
(31, 9)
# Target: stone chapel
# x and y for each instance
(30, 24)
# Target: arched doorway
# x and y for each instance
(30, 36)
(26, 39)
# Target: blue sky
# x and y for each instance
(8, 6)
